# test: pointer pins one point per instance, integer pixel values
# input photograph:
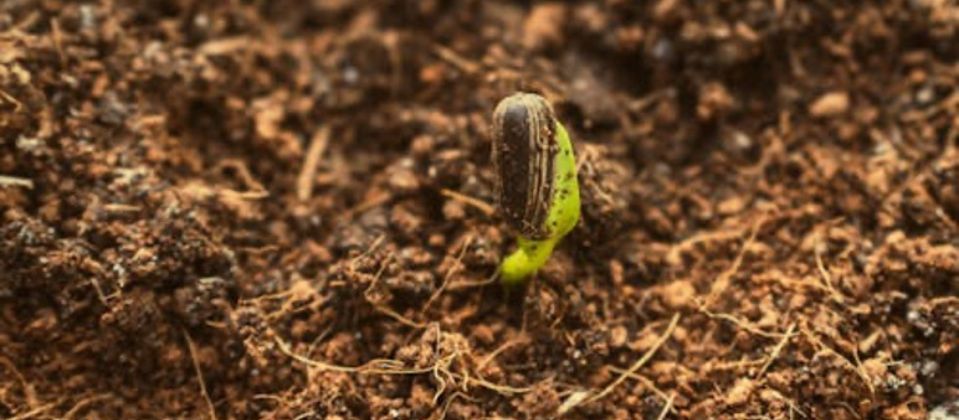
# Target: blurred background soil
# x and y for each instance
(282, 209)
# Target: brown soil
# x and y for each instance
(281, 209)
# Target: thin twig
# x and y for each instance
(244, 195)
(827, 278)
(371, 367)
(120, 208)
(369, 250)
(226, 45)
(449, 402)
(383, 308)
(96, 286)
(823, 347)
(455, 59)
(15, 181)
(468, 284)
(16, 103)
(376, 199)
(642, 379)
(639, 363)
(28, 391)
(789, 402)
(83, 403)
(779, 347)
(304, 183)
(574, 399)
(394, 367)
(733, 365)
(739, 323)
(722, 281)
(390, 312)
(476, 203)
(502, 389)
(667, 407)
(676, 250)
(449, 273)
(305, 415)
(199, 375)
(243, 171)
(35, 412)
(509, 343)
(57, 36)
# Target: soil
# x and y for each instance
(284, 209)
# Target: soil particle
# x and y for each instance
(544, 25)
(830, 105)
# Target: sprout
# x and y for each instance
(536, 186)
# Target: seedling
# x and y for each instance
(536, 186)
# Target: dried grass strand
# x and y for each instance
(199, 375)
(639, 363)
(777, 350)
(306, 178)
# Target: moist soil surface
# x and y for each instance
(285, 209)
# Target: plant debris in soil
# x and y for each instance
(282, 209)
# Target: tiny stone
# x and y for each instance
(453, 210)
(422, 145)
(437, 240)
(618, 336)
(830, 104)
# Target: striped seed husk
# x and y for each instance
(524, 152)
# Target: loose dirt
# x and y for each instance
(283, 209)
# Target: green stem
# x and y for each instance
(528, 257)
(564, 212)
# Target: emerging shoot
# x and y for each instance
(536, 186)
